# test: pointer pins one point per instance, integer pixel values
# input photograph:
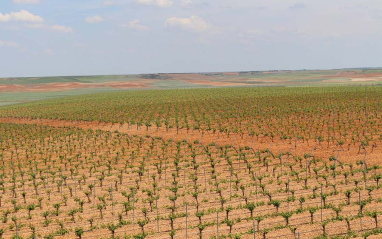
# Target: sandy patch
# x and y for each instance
(214, 83)
(335, 81)
(366, 79)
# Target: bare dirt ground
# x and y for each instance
(341, 77)
(104, 144)
(73, 86)
(214, 83)
(364, 79)
(230, 79)
(209, 198)
(349, 153)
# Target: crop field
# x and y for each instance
(233, 162)
(16, 90)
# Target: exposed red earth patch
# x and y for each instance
(349, 154)
(72, 86)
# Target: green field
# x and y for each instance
(228, 162)
(94, 84)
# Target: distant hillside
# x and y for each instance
(16, 90)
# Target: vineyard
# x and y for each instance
(264, 162)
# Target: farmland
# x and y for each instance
(15, 90)
(239, 162)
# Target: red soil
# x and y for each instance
(349, 153)
(72, 85)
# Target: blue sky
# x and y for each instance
(90, 37)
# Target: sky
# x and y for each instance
(98, 37)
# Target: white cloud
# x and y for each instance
(94, 19)
(194, 23)
(57, 28)
(8, 44)
(158, 3)
(26, 1)
(22, 16)
(135, 24)
(60, 28)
